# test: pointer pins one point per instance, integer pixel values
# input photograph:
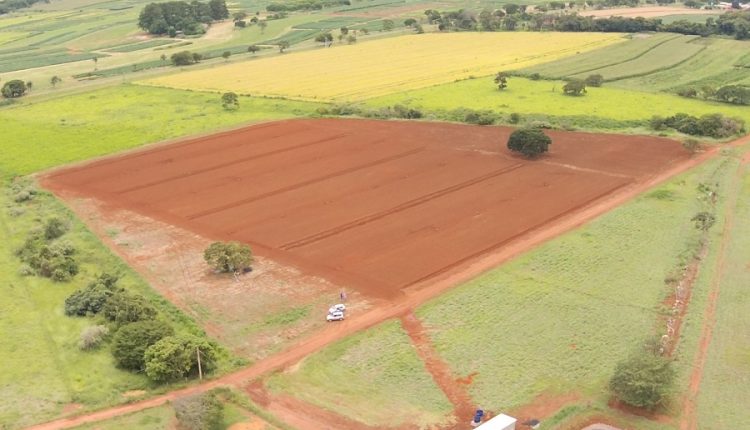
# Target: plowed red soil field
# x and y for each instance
(377, 205)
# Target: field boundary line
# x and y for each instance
(689, 419)
(308, 182)
(587, 169)
(233, 162)
(398, 208)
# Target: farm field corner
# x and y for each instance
(43, 134)
(358, 71)
(556, 320)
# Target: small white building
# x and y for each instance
(499, 422)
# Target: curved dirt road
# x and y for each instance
(412, 298)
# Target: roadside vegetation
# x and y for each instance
(55, 362)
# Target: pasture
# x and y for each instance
(379, 365)
(45, 374)
(348, 199)
(556, 320)
(45, 134)
(358, 71)
(603, 107)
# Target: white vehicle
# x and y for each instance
(337, 308)
(335, 316)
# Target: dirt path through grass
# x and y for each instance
(689, 419)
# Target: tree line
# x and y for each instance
(514, 17)
(189, 18)
(291, 6)
(8, 6)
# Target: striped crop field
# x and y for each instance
(385, 66)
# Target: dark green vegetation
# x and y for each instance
(228, 257)
(171, 17)
(531, 142)
(644, 380)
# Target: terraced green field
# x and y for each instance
(78, 127)
(659, 62)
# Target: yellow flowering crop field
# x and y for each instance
(376, 68)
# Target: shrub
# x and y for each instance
(703, 220)
(55, 261)
(185, 58)
(203, 411)
(530, 141)
(176, 357)
(643, 380)
(92, 337)
(480, 118)
(91, 299)
(687, 92)
(54, 228)
(535, 76)
(574, 87)
(123, 308)
(14, 88)
(404, 112)
(228, 256)
(595, 80)
(230, 101)
(514, 118)
(131, 341)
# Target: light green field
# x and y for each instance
(43, 369)
(660, 62)
(726, 373)
(374, 377)
(159, 418)
(81, 126)
(525, 96)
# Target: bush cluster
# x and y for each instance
(91, 299)
(203, 411)
(711, 125)
(54, 259)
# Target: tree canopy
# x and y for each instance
(643, 380)
(131, 341)
(530, 142)
(168, 17)
(228, 256)
(14, 88)
(176, 357)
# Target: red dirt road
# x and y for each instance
(413, 297)
(368, 204)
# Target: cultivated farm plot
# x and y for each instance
(363, 203)
(385, 66)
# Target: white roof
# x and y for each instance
(499, 422)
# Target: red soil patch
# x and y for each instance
(364, 203)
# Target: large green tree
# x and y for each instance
(176, 357)
(228, 256)
(14, 88)
(530, 142)
(643, 380)
(131, 341)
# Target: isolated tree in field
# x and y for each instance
(595, 80)
(387, 25)
(253, 49)
(54, 81)
(531, 142)
(239, 16)
(176, 357)
(324, 38)
(131, 341)
(501, 79)
(643, 380)
(29, 84)
(230, 101)
(283, 45)
(704, 220)
(351, 39)
(225, 55)
(344, 30)
(183, 58)
(409, 22)
(13, 89)
(574, 87)
(228, 256)
(262, 24)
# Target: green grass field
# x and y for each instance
(43, 369)
(77, 127)
(727, 370)
(615, 106)
(374, 377)
(660, 62)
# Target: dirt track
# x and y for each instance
(413, 297)
(368, 204)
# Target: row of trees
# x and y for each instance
(733, 94)
(513, 17)
(7, 6)
(189, 18)
(295, 5)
